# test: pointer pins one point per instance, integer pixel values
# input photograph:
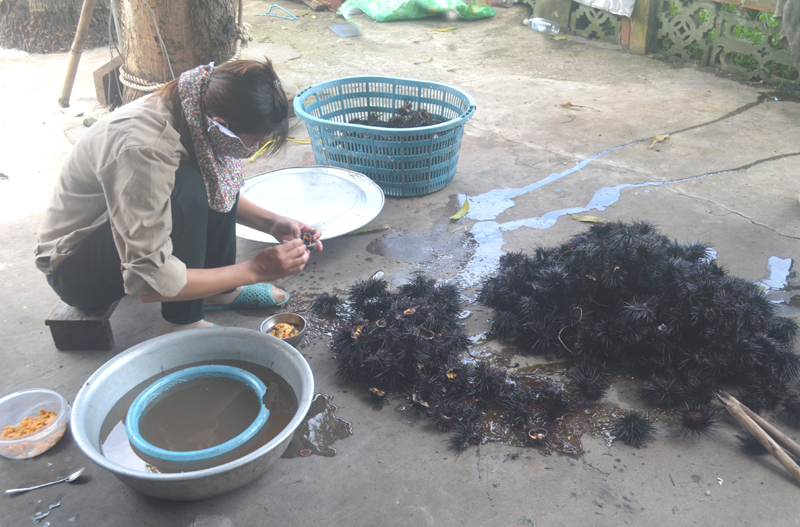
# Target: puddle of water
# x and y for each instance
(490, 205)
(319, 430)
(778, 270)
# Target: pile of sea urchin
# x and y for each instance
(623, 296)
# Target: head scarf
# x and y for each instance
(223, 175)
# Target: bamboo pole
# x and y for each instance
(779, 437)
(76, 50)
(737, 410)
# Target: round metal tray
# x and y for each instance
(333, 200)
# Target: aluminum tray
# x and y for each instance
(333, 200)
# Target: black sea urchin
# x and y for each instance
(588, 383)
(696, 420)
(634, 428)
(661, 391)
(325, 304)
(466, 434)
(791, 409)
(363, 290)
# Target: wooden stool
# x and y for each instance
(81, 329)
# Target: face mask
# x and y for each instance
(225, 143)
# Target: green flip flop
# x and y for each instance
(256, 296)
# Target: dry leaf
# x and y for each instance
(658, 139)
(442, 30)
(462, 211)
(570, 106)
(588, 219)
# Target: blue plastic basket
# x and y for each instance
(403, 162)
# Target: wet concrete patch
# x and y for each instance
(319, 430)
(437, 250)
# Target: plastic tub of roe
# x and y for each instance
(28, 403)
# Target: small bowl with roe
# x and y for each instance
(289, 327)
(28, 426)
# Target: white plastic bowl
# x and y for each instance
(17, 406)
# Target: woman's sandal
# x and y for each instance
(256, 296)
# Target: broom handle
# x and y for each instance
(76, 50)
(737, 410)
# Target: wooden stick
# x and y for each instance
(737, 411)
(779, 437)
(75, 52)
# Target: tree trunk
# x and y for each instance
(193, 32)
(45, 26)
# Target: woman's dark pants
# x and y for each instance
(201, 239)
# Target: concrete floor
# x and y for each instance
(727, 175)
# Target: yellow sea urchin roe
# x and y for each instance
(283, 330)
(28, 425)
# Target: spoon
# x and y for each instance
(69, 479)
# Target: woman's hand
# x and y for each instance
(279, 227)
(270, 264)
(279, 261)
(285, 229)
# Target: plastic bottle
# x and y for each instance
(542, 25)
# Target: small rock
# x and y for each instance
(708, 493)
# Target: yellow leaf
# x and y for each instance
(658, 139)
(442, 30)
(462, 211)
(570, 106)
(561, 37)
(373, 228)
(588, 219)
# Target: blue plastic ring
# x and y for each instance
(155, 392)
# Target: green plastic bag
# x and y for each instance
(389, 10)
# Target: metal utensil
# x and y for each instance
(69, 479)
